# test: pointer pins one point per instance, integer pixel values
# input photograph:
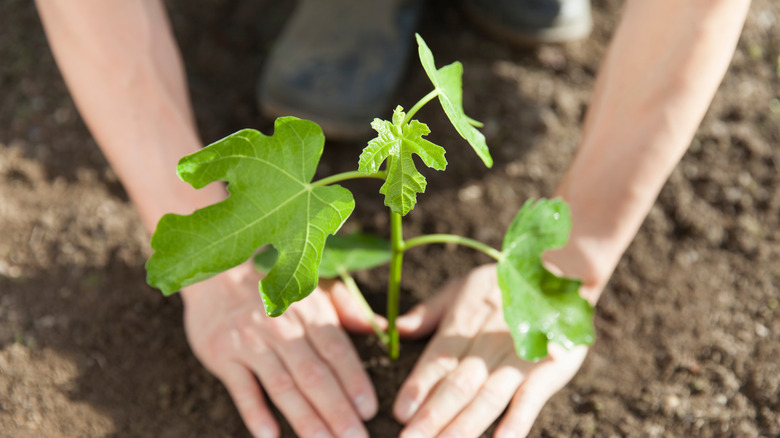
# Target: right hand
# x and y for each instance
(469, 372)
(303, 359)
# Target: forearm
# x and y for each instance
(121, 64)
(654, 86)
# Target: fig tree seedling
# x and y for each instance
(275, 204)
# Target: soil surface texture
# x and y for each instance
(688, 327)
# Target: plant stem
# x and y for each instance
(348, 175)
(349, 282)
(394, 285)
(452, 238)
(420, 103)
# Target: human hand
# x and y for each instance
(470, 372)
(303, 359)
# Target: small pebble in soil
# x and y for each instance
(698, 385)
(672, 402)
(762, 330)
(471, 192)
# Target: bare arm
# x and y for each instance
(124, 71)
(658, 78)
(660, 73)
(123, 68)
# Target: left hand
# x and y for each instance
(470, 372)
(305, 362)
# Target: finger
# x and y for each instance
(448, 398)
(542, 381)
(249, 400)
(350, 311)
(525, 407)
(423, 319)
(439, 359)
(489, 403)
(471, 302)
(459, 326)
(312, 374)
(333, 345)
(281, 387)
(459, 388)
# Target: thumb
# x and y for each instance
(423, 319)
(353, 314)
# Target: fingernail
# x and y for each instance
(406, 409)
(354, 432)
(411, 433)
(365, 406)
(506, 433)
(409, 321)
(264, 432)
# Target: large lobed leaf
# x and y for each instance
(396, 142)
(448, 82)
(271, 202)
(539, 306)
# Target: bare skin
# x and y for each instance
(657, 80)
(654, 86)
(123, 68)
(303, 359)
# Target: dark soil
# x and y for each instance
(688, 328)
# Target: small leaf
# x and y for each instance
(448, 81)
(342, 253)
(353, 252)
(540, 307)
(271, 202)
(265, 259)
(397, 142)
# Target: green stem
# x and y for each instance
(452, 238)
(348, 175)
(420, 103)
(349, 282)
(394, 285)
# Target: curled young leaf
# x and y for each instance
(396, 142)
(449, 84)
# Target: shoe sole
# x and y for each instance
(554, 35)
(334, 129)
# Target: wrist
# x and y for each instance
(175, 196)
(607, 210)
(584, 260)
(602, 228)
(220, 285)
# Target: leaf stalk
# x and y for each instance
(397, 247)
(453, 238)
(353, 288)
(355, 174)
(420, 103)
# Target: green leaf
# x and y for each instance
(397, 142)
(353, 252)
(342, 254)
(271, 202)
(265, 259)
(448, 82)
(539, 306)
